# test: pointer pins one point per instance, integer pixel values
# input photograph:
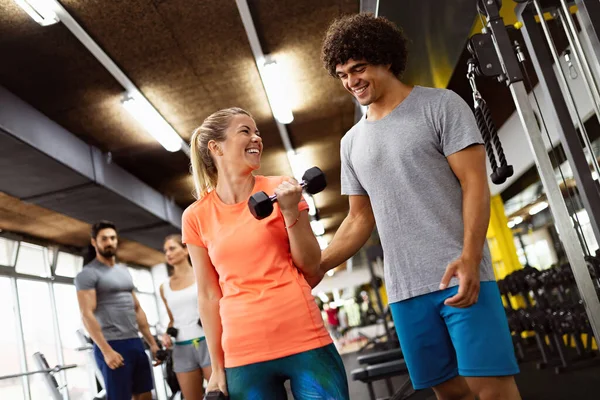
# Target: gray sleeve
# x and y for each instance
(86, 279)
(350, 183)
(457, 126)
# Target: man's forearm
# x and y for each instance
(476, 218)
(144, 327)
(352, 234)
(93, 327)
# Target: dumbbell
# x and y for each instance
(218, 395)
(261, 204)
(172, 331)
(161, 354)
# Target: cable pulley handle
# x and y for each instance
(488, 131)
(486, 138)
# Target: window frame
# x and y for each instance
(15, 251)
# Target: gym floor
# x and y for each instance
(581, 383)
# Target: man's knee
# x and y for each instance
(454, 389)
(496, 388)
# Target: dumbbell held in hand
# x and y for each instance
(161, 355)
(261, 204)
(171, 331)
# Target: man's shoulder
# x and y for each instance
(431, 91)
(86, 272)
(121, 266)
(87, 277)
(90, 268)
(437, 95)
(351, 133)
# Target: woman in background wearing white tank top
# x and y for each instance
(191, 361)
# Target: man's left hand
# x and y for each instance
(154, 349)
(467, 272)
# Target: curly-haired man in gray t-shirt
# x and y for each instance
(415, 165)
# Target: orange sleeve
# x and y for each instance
(190, 228)
(303, 205)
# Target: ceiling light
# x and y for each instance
(322, 242)
(538, 207)
(299, 166)
(330, 272)
(39, 10)
(153, 122)
(317, 227)
(515, 221)
(276, 92)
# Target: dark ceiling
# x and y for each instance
(191, 58)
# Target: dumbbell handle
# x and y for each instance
(273, 197)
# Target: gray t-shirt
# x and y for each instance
(115, 310)
(400, 162)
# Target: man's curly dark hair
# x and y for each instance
(364, 37)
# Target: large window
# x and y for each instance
(69, 321)
(144, 285)
(39, 300)
(7, 252)
(38, 330)
(68, 265)
(11, 358)
(33, 260)
(148, 303)
(142, 280)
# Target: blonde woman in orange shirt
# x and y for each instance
(261, 322)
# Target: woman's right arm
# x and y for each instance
(209, 294)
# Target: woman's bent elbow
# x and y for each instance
(311, 266)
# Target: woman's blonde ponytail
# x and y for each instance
(204, 169)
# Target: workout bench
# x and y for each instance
(385, 365)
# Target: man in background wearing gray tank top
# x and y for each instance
(113, 317)
(415, 165)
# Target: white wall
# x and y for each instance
(160, 275)
(512, 134)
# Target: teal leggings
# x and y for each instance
(314, 375)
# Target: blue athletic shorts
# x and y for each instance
(135, 377)
(441, 342)
(313, 374)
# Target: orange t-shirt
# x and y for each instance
(267, 309)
